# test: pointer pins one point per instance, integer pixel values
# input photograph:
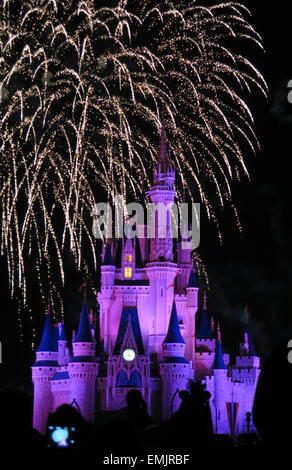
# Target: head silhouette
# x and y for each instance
(134, 399)
(66, 415)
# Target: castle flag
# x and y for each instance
(232, 413)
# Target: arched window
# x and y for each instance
(122, 380)
(135, 379)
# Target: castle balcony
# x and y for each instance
(161, 269)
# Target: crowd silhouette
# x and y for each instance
(131, 427)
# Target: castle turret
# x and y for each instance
(248, 358)
(220, 387)
(247, 370)
(175, 371)
(108, 271)
(108, 267)
(205, 330)
(83, 368)
(42, 371)
(192, 307)
(63, 350)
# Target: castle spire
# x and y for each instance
(48, 341)
(164, 172)
(192, 279)
(162, 144)
(173, 333)
(219, 363)
(212, 323)
(84, 332)
(108, 259)
(248, 343)
(205, 300)
(205, 331)
(218, 332)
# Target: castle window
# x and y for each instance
(128, 258)
(128, 272)
(161, 292)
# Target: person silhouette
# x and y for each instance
(272, 408)
(136, 410)
(191, 426)
(125, 429)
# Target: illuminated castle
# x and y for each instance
(148, 304)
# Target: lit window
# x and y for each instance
(128, 258)
(128, 272)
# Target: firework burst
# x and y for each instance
(84, 83)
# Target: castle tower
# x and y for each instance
(161, 271)
(247, 370)
(205, 344)
(162, 195)
(175, 371)
(105, 296)
(220, 388)
(83, 368)
(192, 307)
(42, 371)
(63, 350)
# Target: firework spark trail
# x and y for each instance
(86, 83)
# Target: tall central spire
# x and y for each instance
(163, 171)
(162, 144)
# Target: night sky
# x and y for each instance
(254, 268)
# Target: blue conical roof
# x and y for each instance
(218, 360)
(173, 333)
(55, 337)
(84, 334)
(63, 336)
(192, 280)
(48, 341)
(108, 260)
(205, 330)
